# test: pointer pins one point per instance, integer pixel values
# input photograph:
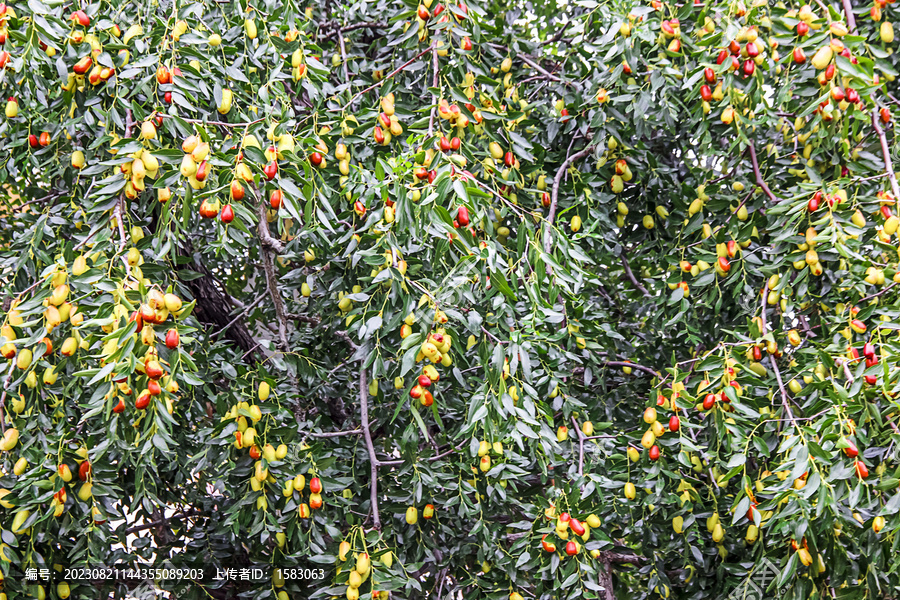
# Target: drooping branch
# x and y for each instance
(554, 193)
(370, 447)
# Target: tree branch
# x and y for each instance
(875, 295)
(554, 194)
(344, 56)
(315, 321)
(265, 236)
(384, 79)
(331, 28)
(580, 447)
(390, 463)
(244, 313)
(637, 284)
(12, 366)
(604, 577)
(218, 123)
(163, 521)
(271, 279)
(851, 18)
(334, 434)
(620, 363)
(370, 447)
(886, 154)
(759, 178)
(785, 402)
(435, 82)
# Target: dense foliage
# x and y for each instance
(494, 299)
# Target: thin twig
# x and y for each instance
(373, 459)
(530, 62)
(558, 36)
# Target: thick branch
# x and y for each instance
(265, 236)
(605, 577)
(554, 194)
(370, 447)
(213, 303)
(759, 178)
